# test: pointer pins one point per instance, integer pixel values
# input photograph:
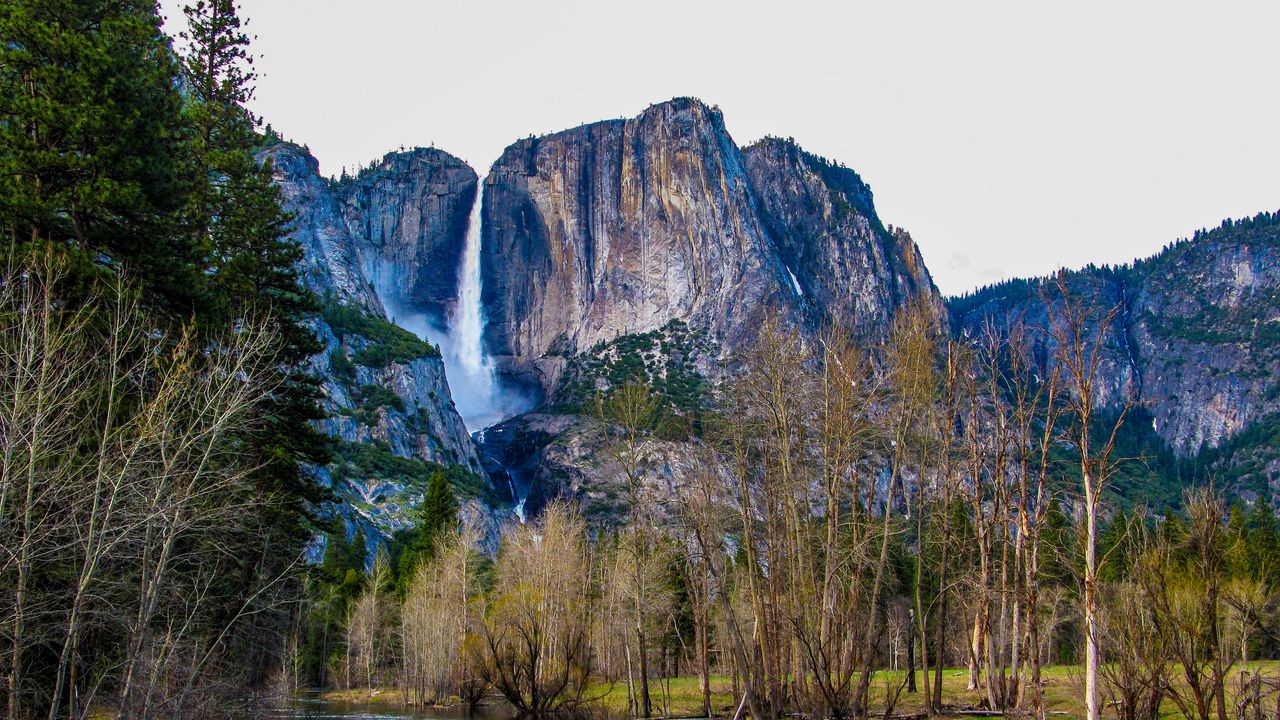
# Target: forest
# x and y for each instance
(841, 527)
(857, 527)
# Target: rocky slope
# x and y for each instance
(389, 403)
(1196, 339)
(842, 260)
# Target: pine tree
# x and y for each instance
(91, 139)
(1263, 542)
(235, 212)
(438, 513)
(437, 517)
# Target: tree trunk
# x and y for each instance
(1092, 707)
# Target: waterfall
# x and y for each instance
(467, 324)
(480, 399)
(475, 389)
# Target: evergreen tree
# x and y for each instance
(1263, 542)
(235, 213)
(439, 511)
(437, 517)
(91, 141)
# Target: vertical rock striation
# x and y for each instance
(621, 226)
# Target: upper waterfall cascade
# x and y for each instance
(478, 396)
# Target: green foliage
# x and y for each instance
(92, 142)
(663, 359)
(437, 516)
(331, 588)
(363, 461)
(371, 398)
(1210, 323)
(343, 369)
(1240, 463)
(387, 343)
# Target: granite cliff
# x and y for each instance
(657, 245)
(1196, 341)
(623, 226)
(407, 216)
(390, 408)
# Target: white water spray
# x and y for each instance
(477, 394)
(468, 325)
(474, 386)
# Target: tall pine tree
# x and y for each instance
(235, 213)
(92, 141)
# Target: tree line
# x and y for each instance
(852, 524)
(157, 414)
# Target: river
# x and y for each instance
(312, 707)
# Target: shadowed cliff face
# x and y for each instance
(619, 227)
(851, 270)
(408, 215)
(331, 261)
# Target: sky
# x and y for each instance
(1010, 139)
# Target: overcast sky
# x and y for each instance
(1010, 139)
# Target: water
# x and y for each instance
(313, 707)
(518, 495)
(794, 282)
(477, 394)
(471, 377)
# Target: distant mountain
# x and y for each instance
(1197, 342)
(657, 245)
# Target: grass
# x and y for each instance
(682, 697)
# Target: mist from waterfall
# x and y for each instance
(477, 394)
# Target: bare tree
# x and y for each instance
(1182, 582)
(533, 644)
(121, 469)
(1079, 332)
(633, 412)
(439, 612)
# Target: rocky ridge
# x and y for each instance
(390, 409)
(1195, 341)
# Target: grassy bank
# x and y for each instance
(1063, 688)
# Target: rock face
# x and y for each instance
(389, 403)
(622, 226)
(851, 270)
(331, 262)
(1197, 335)
(618, 227)
(408, 216)
(1206, 321)
(656, 245)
